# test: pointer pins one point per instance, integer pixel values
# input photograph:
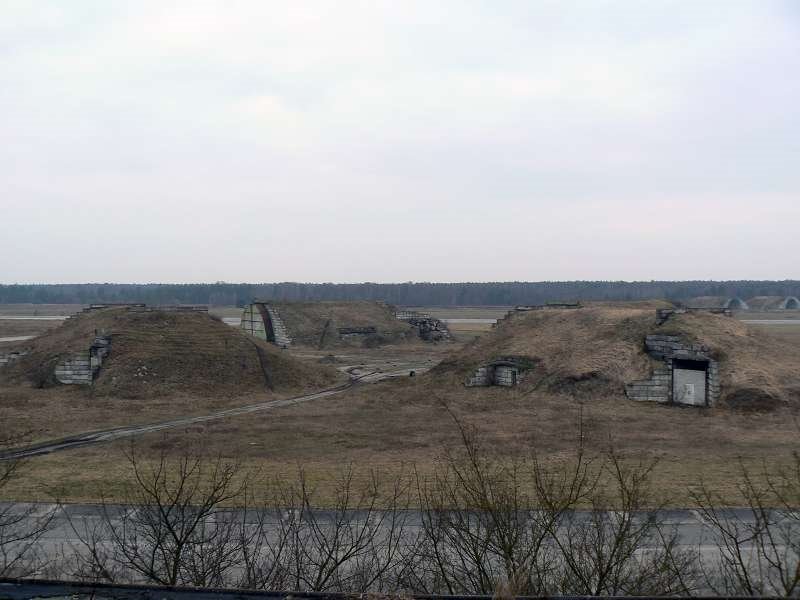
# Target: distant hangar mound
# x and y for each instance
(140, 351)
(670, 356)
(325, 324)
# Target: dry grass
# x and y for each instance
(19, 327)
(393, 425)
(161, 366)
(40, 309)
(397, 423)
(598, 349)
(786, 333)
(315, 324)
(158, 353)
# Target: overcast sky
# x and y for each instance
(395, 141)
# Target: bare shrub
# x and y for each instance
(486, 524)
(173, 528)
(758, 549)
(355, 545)
(483, 532)
(21, 524)
(621, 545)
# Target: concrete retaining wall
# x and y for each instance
(81, 368)
(75, 370)
(282, 337)
(8, 357)
(481, 378)
(263, 321)
(656, 389)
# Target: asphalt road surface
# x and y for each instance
(67, 523)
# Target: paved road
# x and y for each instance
(33, 318)
(64, 520)
(772, 321)
(17, 338)
(689, 523)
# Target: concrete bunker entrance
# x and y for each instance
(792, 304)
(690, 382)
(687, 373)
(504, 372)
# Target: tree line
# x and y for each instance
(403, 294)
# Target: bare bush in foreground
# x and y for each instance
(481, 524)
(758, 551)
(21, 525)
(621, 545)
(173, 528)
(484, 532)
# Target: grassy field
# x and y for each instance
(770, 316)
(396, 424)
(788, 332)
(25, 327)
(784, 331)
(40, 309)
(390, 428)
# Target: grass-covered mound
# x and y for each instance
(317, 324)
(160, 353)
(596, 350)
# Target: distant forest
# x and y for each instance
(404, 294)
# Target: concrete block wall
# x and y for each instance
(714, 387)
(263, 321)
(8, 357)
(481, 378)
(76, 369)
(661, 346)
(98, 352)
(506, 376)
(656, 389)
(82, 367)
(407, 315)
(282, 337)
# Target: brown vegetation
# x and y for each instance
(596, 350)
(162, 365)
(161, 353)
(316, 324)
(591, 526)
(584, 358)
(19, 327)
